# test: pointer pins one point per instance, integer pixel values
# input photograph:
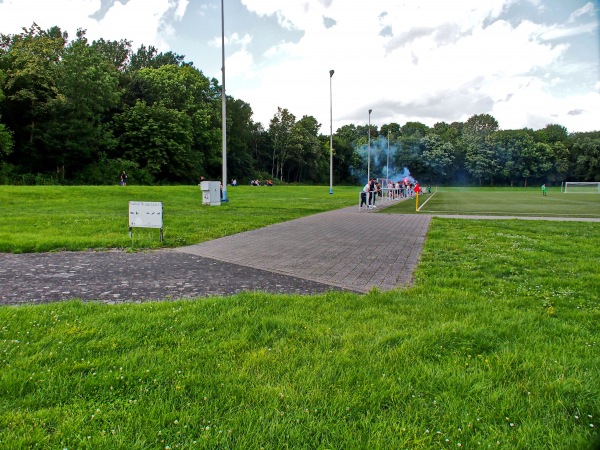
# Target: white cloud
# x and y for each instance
(241, 62)
(418, 60)
(180, 9)
(68, 14)
(586, 10)
(148, 17)
(290, 14)
(146, 22)
(561, 32)
(428, 60)
(531, 106)
(233, 40)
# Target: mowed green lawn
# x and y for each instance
(502, 202)
(49, 218)
(494, 346)
(43, 218)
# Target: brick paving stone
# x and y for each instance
(345, 248)
(338, 250)
(116, 277)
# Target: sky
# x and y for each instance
(528, 63)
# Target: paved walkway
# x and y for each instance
(337, 250)
(344, 248)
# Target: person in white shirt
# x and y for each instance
(364, 195)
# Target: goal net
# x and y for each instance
(581, 187)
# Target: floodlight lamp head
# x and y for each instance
(331, 72)
(370, 111)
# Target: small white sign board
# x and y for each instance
(146, 215)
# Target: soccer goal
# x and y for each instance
(581, 187)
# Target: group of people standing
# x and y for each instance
(369, 194)
(401, 189)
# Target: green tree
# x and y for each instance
(150, 58)
(534, 161)
(117, 52)
(552, 134)
(87, 84)
(6, 142)
(158, 140)
(140, 87)
(392, 128)
(509, 147)
(414, 129)
(545, 161)
(262, 151)
(588, 160)
(241, 131)
(30, 61)
(437, 155)
(185, 89)
(480, 124)
(345, 161)
(448, 132)
(182, 88)
(410, 150)
(452, 133)
(480, 157)
(281, 133)
(409, 155)
(350, 134)
(307, 156)
(560, 162)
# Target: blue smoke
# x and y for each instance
(384, 161)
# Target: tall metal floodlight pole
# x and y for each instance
(224, 105)
(387, 174)
(331, 72)
(369, 150)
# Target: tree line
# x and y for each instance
(80, 112)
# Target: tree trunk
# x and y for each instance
(32, 121)
(273, 165)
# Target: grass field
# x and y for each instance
(503, 202)
(495, 346)
(42, 218)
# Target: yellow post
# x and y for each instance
(417, 208)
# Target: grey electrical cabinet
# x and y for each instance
(211, 193)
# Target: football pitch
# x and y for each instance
(525, 202)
